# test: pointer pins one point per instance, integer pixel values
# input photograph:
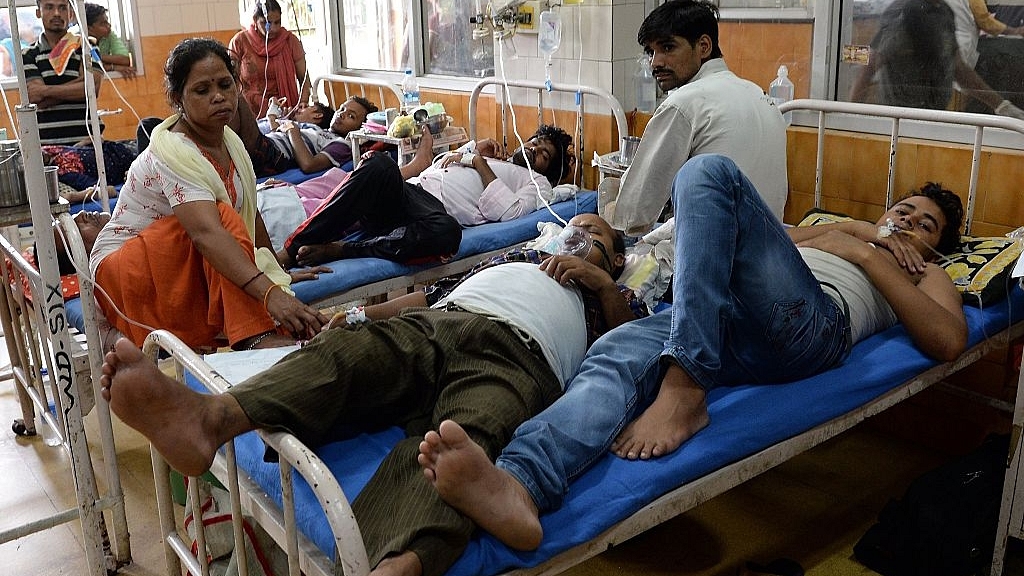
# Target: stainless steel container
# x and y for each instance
(51, 180)
(12, 175)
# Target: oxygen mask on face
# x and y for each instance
(572, 241)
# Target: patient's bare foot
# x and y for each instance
(675, 416)
(423, 157)
(405, 564)
(313, 254)
(468, 481)
(184, 426)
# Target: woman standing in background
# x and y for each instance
(270, 60)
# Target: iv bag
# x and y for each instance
(550, 33)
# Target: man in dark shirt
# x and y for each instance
(57, 86)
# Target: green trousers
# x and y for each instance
(414, 370)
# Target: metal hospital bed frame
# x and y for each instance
(39, 337)
(543, 98)
(506, 91)
(52, 365)
(340, 87)
(351, 556)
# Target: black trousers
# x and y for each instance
(397, 220)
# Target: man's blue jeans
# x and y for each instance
(746, 309)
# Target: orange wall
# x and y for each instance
(754, 50)
(854, 176)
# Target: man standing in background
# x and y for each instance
(54, 73)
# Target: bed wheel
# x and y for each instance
(19, 428)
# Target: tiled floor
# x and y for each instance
(812, 509)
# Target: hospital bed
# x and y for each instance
(51, 362)
(361, 278)
(302, 502)
(52, 366)
(337, 88)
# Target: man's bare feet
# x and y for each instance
(423, 157)
(313, 254)
(468, 481)
(676, 415)
(184, 426)
(405, 564)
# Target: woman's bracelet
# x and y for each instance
(250, 280)
(267, 293)
(258, 339)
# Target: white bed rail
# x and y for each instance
(44, 372)
(280, 525)
(357, 86)
(899, 115)
(540, 89)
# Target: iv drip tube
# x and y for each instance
(90, 100)
(51, 302)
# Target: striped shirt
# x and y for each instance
(67, 122)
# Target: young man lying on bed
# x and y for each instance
(416, 212)
(491, 351)
(305, 115)
(753, 303)
(311, 148)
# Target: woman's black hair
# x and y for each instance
(689, 19)
(562, 141)
(952, 209)
(184, 56)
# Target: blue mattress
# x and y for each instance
(354, 272)
(744, 420)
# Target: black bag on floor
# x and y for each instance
(945, 524)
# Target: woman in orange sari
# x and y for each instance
(185, 249)
(270, 59)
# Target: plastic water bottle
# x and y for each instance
(410, 91)
(646, 88)
(781, 90)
